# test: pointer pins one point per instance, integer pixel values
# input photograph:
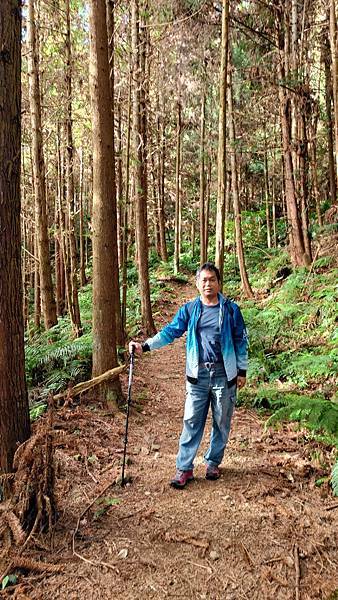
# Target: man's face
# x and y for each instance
(208, 285)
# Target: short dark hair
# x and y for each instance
(208, 266)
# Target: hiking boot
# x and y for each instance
(182, 478)
(212, 472)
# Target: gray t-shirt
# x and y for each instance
(209, 335)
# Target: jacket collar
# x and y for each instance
(221, 299)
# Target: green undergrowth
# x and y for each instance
(54, 359)
(292, 331)
(293, 337)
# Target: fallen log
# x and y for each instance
(87, 385)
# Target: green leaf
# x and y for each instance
(8, 580)
(92, 459)
(321, 481)
(106, 501)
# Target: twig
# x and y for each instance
(272, 560)
(209, 569)
(86, 510)
(297, 570)
(332, 507)
(96, 563)
(87, 560)
(87, 468)
(246, 554)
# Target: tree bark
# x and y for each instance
(326, 57)
(203, 251)
(74, 308)
(221, 166)
(126, 208)
(139, 131)
(120, 333)
(46, 287)
(178, 189)
(14, 412)
(297, 248)
(334, 58)
(235, 196)
(160, 180)
(104, 203)
(83, 278)
(59, 264)
(207, 206)
(267, 193)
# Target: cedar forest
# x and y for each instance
(138, 140)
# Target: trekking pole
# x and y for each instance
(131, 366)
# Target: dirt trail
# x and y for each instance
(262, 531)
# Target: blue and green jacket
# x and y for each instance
(234, 340)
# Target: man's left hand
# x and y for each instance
(241, 381)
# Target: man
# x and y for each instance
(216, 363)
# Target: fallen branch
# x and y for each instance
(87, 385)
(333, 506)
(85, 510)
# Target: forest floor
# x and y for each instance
(262, 531)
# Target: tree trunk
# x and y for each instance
(267, 193)
(298, 255)
(160, 195)
(46, 287)
(221, 166)
(59, 264)
(83, 278)
(121, 206)
(178, 189)
(203, 250)
(303, 169)
(14, 413)
(273, 194)
(37, 297)
(329, 123)
(297, 249)
(192, 238)
(235, 196)
(207, 206)
(104, 203)
(139, 131)
(314, 164)
(334, 57)
(74, 309)
(120, 334)
(126, 211)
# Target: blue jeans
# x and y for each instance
(210, 389)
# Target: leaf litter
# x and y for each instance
(263, 530)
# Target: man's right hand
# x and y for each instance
(135, 347)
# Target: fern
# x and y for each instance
(334, 479)
(37, 410)
(316, 413)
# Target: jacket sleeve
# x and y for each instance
(170, 332)
(240, 339)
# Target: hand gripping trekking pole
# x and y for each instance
(131, 366)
